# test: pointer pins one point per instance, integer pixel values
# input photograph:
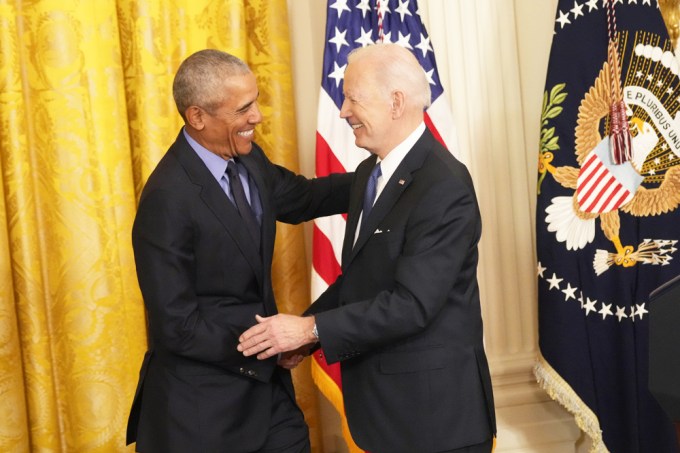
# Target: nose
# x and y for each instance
(255, 114)
(344, 109)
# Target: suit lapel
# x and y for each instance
(399, 181)
(217, 201)
(363, 172)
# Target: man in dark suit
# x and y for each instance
(404, 317)
(203, 240)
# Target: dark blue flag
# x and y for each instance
(607, 232)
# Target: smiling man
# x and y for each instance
(404, 317)
(203, 240)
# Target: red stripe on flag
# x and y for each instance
(433, 129)
(601, 172)
(323, 258)
(601, 191)
(326, 162)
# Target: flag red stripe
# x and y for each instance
(430, 124)
(600, 173)
(600, 192)
(326, 162)
(323, 258)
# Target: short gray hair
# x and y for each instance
(200, 78)
(400, 71)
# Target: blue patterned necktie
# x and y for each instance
(241, 202)
(369, 195)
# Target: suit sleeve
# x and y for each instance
(436, 266)
(297, 199)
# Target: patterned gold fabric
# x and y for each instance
(86, 111)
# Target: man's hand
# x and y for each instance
(276, 334)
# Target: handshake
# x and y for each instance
(288, 336)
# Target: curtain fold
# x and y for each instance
(86, 112)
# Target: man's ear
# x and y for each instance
(398, 104)
(194, 116)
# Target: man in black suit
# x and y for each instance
(404, 317)
(203, 240)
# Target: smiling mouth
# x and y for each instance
(357, 126)
(247, 134)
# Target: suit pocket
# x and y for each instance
(412, 361)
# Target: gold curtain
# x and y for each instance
(86, 111)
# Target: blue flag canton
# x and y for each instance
(355, 23)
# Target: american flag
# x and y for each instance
(351, 24)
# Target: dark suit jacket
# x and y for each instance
(203, 280)
(404, 317)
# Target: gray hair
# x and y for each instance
(400, 71)
(200, 79)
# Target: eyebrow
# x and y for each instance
(247, 106)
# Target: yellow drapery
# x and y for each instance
(86, 111)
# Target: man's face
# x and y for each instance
(367, 109)
(229, 128)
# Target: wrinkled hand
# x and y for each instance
(276, 334)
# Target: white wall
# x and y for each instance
(492, 57)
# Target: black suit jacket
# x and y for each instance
(404, 317)
(203, 281)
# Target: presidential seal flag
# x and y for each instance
(351, 24)
(607, 216)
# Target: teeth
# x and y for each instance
(357, 126)
(247, 133)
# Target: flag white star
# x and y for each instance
(632, 314)
(430, 76)
(659, 83)
(606, 310)
(554, 281)
(403, 9)
(669, 90)
(340, 6)
(563, 19)
(632, 1)
(646, 2)
(650, 78)
(387, 37)
(592, 4)
(339, 39)
(621, 312)
(640, 310)
(403, 41)
(365, 38)
(364, 7)
(577, 10)
(569, 293)
(338, 73)
(638, 74)
(424, 45)
(589, 306)
(618, 1)
(541, 269)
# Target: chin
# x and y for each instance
(244, 150)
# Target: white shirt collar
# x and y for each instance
(389, 164)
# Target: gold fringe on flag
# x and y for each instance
(558, 390)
